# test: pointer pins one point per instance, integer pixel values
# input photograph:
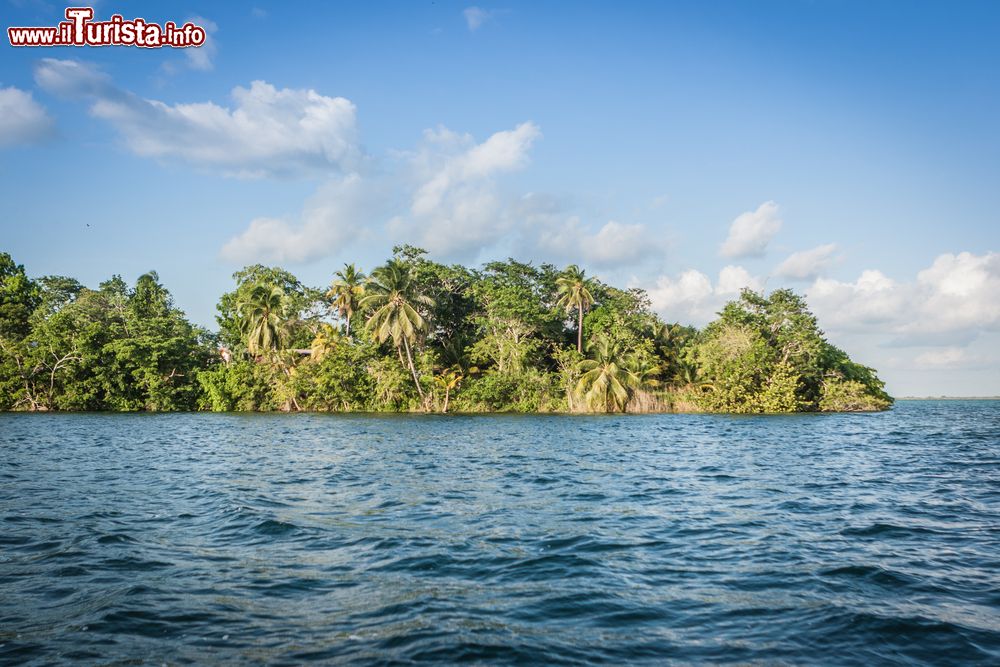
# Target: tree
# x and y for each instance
(606, 381)
(575, 292)
(19, 296)
(489, 339)
(300, 300)
(391, 298)
(346, 292)
(324, 342)
(767, 354)
(116, 347)
(263, 313)
(512, 317)
(448, 380)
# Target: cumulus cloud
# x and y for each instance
(22, 119)
(691, 296)
(267, 131)
(616, 243)
(872, 299)
(329, 222)
(612, 245)
(733, 279)
(808, 264)
(750, 232)
(457, 208)
(475, 17)
(444, 196)
(545, 230)
(954, 298)
(960, 291)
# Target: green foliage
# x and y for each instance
(434, 337)
(243, 386)
(393, 389)
(264, 311)
(841, 395)
(297, 309)
(494, 391)
(780, 392)
(115, 348)
(513, 316)
(574, 290)
(393, 302)
(339, 381)
(767, 354)
(19, 297)
(607, 377)
(346, 292)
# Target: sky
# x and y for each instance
(848, 150)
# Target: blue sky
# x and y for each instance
(846, 149)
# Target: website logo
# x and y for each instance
(79, 29)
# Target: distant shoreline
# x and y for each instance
(948, 398)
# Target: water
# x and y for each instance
(831, 539)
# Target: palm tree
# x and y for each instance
(392, 297)
(449, 379)
(324, 342)
(645, 370)
(263, 311)
(606, 381)
(346, 292)
(690, 375)
(574, 292)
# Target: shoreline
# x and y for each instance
(948, 398)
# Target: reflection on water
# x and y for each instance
(830, 539)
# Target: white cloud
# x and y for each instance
(201, 57)
(616, 243)
(808, 264)
(475, 163)
(873, 299)
(22, 119)
(329, 221)
(475, 17)
(690, 288)
(948, 357)
(267, 131)
(555, 236)
(750, 232)
(691, 297)
(960, 291)
(954, 299)
(72, 78)
(457, 208)
(732, 279)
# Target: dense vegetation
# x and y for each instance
(413, 335)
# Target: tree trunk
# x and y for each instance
(413, 370)
(579, 331)
(348, 331)
(447, 394)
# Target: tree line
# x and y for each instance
(413, 335)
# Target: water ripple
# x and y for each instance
(247, 539)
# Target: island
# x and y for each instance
(414, 335)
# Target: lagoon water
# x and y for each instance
(199, 538)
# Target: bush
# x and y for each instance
(841, 395)
(239, 386)
(527, 391)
